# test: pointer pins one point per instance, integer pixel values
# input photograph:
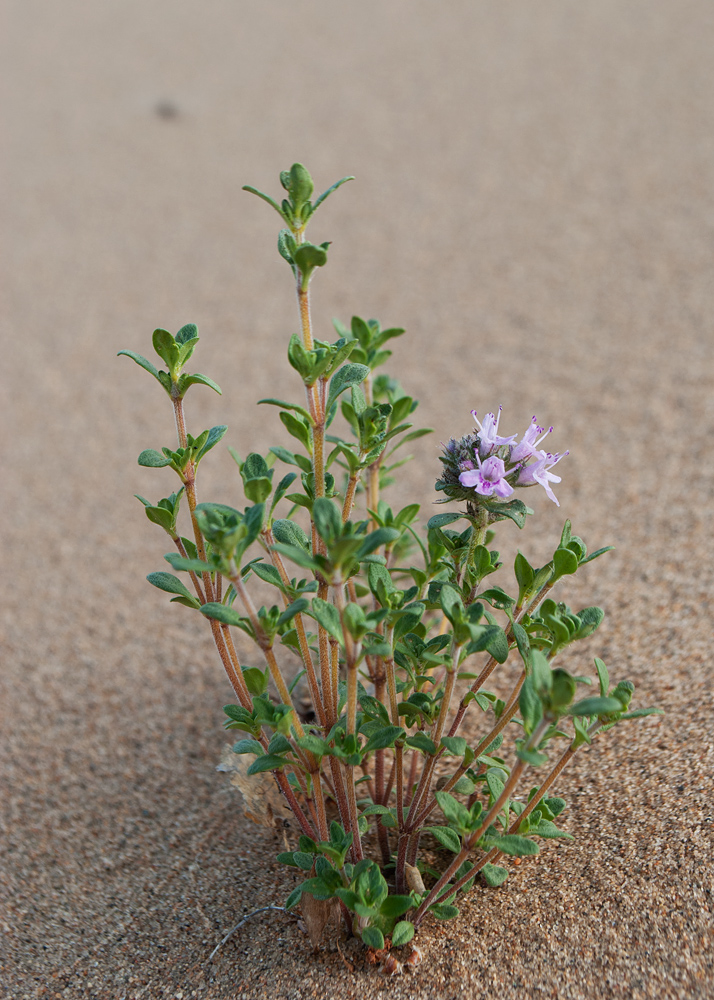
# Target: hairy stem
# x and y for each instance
(350, 496)
(194, 579)
(469, 842)
(189, 479)
(266, 647)
(351, 655)
(299, 622)
(508, 712)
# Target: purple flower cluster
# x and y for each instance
(493, 465)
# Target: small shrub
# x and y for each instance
(396, 627)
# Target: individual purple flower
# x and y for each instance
(488, 478)
(488, 433)
(528, 446)
(539, 473)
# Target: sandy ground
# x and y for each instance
(535, 204)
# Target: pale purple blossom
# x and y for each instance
(491, 464)
(539, 472)
(528, 446)
(488, 478)
(488, 433)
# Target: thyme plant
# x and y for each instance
(396, 628)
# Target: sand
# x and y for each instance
(534, 203)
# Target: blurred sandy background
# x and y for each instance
(534, 203)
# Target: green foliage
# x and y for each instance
(297, 209)
(174, 352)
(396, 626)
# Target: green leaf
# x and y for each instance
(238, 714)
(395, 906)
(290, 533)
(313, 744)
(441, 520)
(530, 706)
(298, 555)
(453, 810)
(256, 682)
(447, 837)
(296, 427)
(286, 246)
(563, 690)
(596, 706)
(594, 555)
(214, 436)
(318, 888)
(349, 375)
(455, 745)
(278, 743)
(161, 516)
(451, 604)
(222, 613)
(494, 782)
(247, 746)
(402, 934)
(640, 713)
(142, 362)
(522, 643)
(282, 488)
(444, 911)
(464, 786)
(268, 574)
(327, 518)
(187, 565)
(541, 672)
(590, 619)
(167, 348)
(328, 616)
(292, 609)
(383, 738)
(171, 584)
(307, 257)
(326, 194)
(288, 406)
(269, 762)
(296, 859)
(516, 510)
(197, 379)
(603, 676)
(375, 539)
(549, 831)
(373, 938)
(300, 185)
(270, 201)
(494, 875)
(565, 562)
(496, 596)
(187, 333)
(294, 898)
(376, 810)
(493, 639)
(515, 845)
(525, 575)
(531, 757)
(152, 459)
(420, 741)
(218, 508)
(566, 534)
(348, 897)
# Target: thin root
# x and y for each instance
(349, 964)
(240, 923)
